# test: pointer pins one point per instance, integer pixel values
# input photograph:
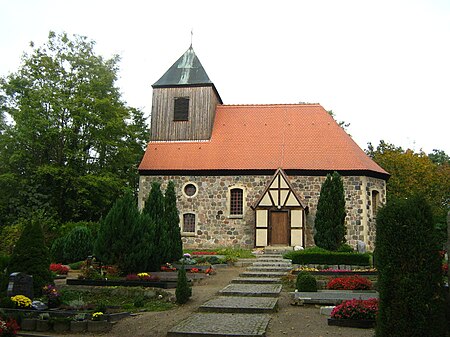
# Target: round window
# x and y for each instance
(190, 190)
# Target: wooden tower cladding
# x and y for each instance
(201, 111)
(184, 102)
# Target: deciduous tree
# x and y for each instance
(73, 144)
(416, 173)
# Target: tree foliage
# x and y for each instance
(330, 217)
(416, 173)
(73, 145)
(31, 256)
(342, 124)
(410, 279)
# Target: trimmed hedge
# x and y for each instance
(322, 256)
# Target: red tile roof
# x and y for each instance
(261, 137)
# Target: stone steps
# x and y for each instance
(272, 264)
(239, 304)
(222, 325)
(256, 280)
(262, 274)
(242, 307)
(262, 290)
(269, 269)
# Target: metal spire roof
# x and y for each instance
(187, 70)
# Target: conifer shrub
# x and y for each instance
(121, 239)
(57, 250)
(410, 281)
(31, 256)
(183, 290)
(306, 282)
(76, 245)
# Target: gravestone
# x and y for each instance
(20, 284)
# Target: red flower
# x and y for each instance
(356, 309)
(349, 283)
(8, 327)
(204, 253)
(59, 268)
(194, 270)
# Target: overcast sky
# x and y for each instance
(383, 66)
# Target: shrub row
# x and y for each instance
(321, 256)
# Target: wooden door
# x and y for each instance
(279, 228)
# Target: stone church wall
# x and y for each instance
(214, 227)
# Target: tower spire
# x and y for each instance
(192, 35)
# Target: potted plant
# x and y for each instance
(43, 322)
(355, 313)
(60, 324)
(28, 322)
(78, 323)
(99, 323)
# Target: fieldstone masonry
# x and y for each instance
(214, 226)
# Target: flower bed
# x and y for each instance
(204, 253)
(142, 277)
(123, 283)
(59, 269)
(355, 313)
(8, 327)
(349, 283)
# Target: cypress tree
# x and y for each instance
(172, 220)
(154, 208)
(330, 216)
(183, 291)
(31, 256)
(410, 279)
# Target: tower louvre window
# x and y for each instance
(181, 109)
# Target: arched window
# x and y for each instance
(188, 223)
(236, 201)
(375, 202)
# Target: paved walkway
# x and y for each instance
(244, 307)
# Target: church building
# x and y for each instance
(250, 175)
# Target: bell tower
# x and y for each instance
(184, 102)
